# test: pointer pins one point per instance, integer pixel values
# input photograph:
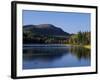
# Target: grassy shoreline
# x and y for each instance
(85, 46)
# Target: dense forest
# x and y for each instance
(52, 36)
(81, 38)
(29, 37)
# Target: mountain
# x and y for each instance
(45, 29)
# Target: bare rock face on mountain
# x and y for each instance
(45, 29)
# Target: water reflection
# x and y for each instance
(44, 53)
(47, 57)
(80, 52)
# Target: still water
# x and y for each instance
(55, 56)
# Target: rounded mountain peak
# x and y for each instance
(45, 26)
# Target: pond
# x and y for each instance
(55, 56)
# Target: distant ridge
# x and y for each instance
(45, 29)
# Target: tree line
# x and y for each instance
(30, 37)
(81, 38)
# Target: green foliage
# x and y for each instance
(81, 38)
(31, 37)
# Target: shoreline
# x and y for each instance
(85, 46)
(55, 45)
(45, 45)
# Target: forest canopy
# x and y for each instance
(49, 34)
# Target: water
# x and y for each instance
(55, 56)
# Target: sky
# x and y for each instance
(70, 22)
